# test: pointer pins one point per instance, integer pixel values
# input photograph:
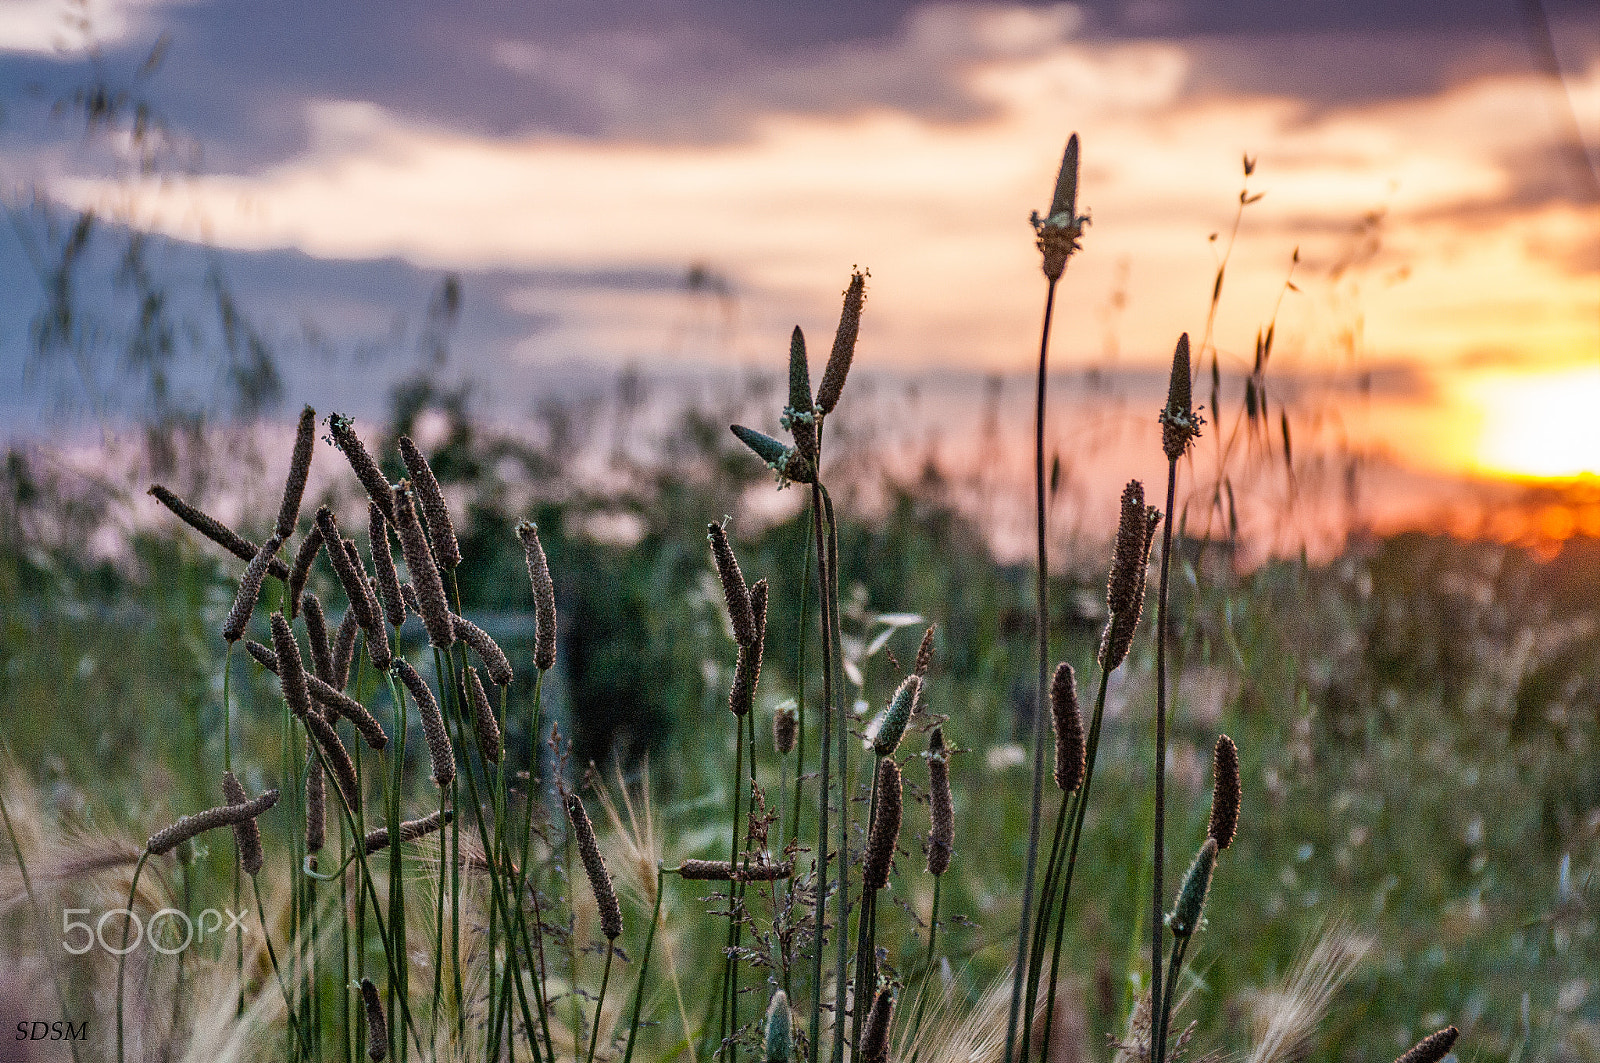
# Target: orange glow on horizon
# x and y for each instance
(1541, 425)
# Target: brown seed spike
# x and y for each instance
(367, 471)
(215, 530)
(1125, 587)
(885, 830)
(317, 632)
(605, 896)
(377, 636)
(294, 487)
(244, 602)
(924, 654)
(1180, 425)
(424, 573)
(706, 871)
(246, 835)
(941, 809)
(435, 514)
(378, 839)
(351, 578)
(300, 570)
(544, 596)
(875, 1033)
(377, 1029)
(844, 343)
(169, 838)
(734, 591)
(291, 667)
(488, 650)
(394, 606)
(785, 730)
(316, 801)
(1226, 792)
(440, 752)
(336, 756)
(747, 666)
(344, 649)
(483, 721)
(1432, 1048)
(1070, 754)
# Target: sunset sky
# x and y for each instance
(572, 160)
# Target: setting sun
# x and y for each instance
(1542, 426)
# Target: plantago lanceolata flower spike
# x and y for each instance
(351, 578)
(1125, 587)
(317, 634)
(800, 417)
(435, 514)
(494, 659)
(1226, 792)
(440, 752)
(337, 701)
(885, 829)
(300, 569)
(924, 654)
(483, 721)
(785, 729)
(377, 634)
(1068, 721)
(1058, 233)
(215, 530)
(747, 666)
(764, 872)
(394, 606)
(169, 838)
(1180, 424)
(336, 755)
(706, 870)
(367, 471)
(875, 1033)
(844, 343)
(377, 1029)
(734, 591)
(1432, 1048)
(605, 896)
(544, 596)
(779, 1032)
(316, 801)
(246, 835)
(344, 649)
(294, 488)
(291, 667)
(941, 810)
(425, 578)
(1191, 902)
(244, 602)
(412, 829)
(787, 462)
(892, 724)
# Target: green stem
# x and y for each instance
(819, 904)
(864, 932)
(1041, 928)
(599, 1006)
(840, 736)
(644, 967)
(1158, 890)
(122, 957)
(272, 956)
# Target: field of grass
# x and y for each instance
(1416, 723)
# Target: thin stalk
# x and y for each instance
(122, 957)
(840, 736)
(1041, 927)
(800, 685)
(819, 905)
(864, 931)
(644, 967)
(599, 1005)
(727, 1019)
(272, 955)
(227, 765)
(1174, 965)
(1042, 594)
(346, 1042)
(1158, 892)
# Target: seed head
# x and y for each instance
(294, 488)
(1180, 424)
(367, 471)
(215, 530)
(244, 602)
(300, 570)
(317, 633)
(706, 871)
(780, 1036)
(434, 512)
(424, 573)
(440, 752)
(164, 841)
(1068, 723)
(344, 649)
(875, 1032)
(351, 578)
(410, 830)
(377, 635)
(316, 801)
(291, 668)
(734, 592)
(1058, 233)
(377, 1029)
(799, 417)
(605, 896)
(891, 726)
(941, 810)
(246, 835)
(785, 729)
(394, 606)
(1125, 587)
(844, 343)
(544, 596)
(1432, 1048)
(488, 650)
(1191, 902)
(1226, 792)
(885, 830)
(924, 654)
(336, 756)
(747, 666)
(483, 721)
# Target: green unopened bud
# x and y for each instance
(890, 726)
(788, 463)
(780, 1035)
(1192, 894)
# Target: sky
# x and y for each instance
(1427, 229)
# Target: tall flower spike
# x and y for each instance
(844, 343)
(924, 654)
(1432, 1048)
(246, 835)
(544, 596)
(424, 572)
(169, 838)
(291, 667)
(294, 488)
(1185, 915)
(440, 752)
(488, 650)
(875, 1034)
(1226, 792)
(483, 721)
(316, 800)
(780, 1035)
(244, 602)
(1180, 424)
(377, 636)
(337, 757)
(300, 570)
(1070, 753)
(785, 729)
(799, 417)
(435, 514)
(735, 593)
(892, 724)
(351, 579)
(747, 666)
(1058, 233)
(394, 606)
(366, 470)
(377, 1029)
(1125, 587)
(941, 810)
(885, 829)
(605, 895)
(215, 530)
